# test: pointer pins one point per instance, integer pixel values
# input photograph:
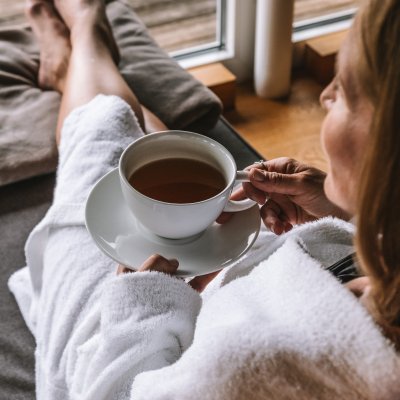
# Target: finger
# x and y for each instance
(274, 218)
(287, 207)
(255, 165)
(270, 212)
(224, 218)
(275, 182)
(122, 269)
(237, 195)
(200, 282)
(253, 193)
(281, 164)
(284, 165)
(160, 264)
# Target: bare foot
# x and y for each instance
(82, 16)
(53, 37)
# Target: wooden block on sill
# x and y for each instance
(320, 56)
(218, 79)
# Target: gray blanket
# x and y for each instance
(28, 115)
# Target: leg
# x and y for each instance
(79, 73)
(69, 272)
(92, 69)
(54, 44)
(82, 65)
(152, 122)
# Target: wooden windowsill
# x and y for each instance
(220, 80)
(320, 55)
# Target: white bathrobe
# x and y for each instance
(274, 326)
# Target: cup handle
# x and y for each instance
(236, 206)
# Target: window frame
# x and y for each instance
(235, 47)
(218, 45)
(219, 50)
(237, 52)
(323, 25)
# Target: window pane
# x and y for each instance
(178, 25)
(305, 9)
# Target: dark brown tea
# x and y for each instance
(178, 180)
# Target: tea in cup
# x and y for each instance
(176, 183)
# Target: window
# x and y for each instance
(198, 32)
(179, 26)
(309, 9)
(185, 26)
(317, 17)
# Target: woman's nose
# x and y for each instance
(326, 98)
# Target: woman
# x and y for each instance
(360, 136)
(277, 325)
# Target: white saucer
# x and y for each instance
(119, 235)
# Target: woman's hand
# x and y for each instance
(169, 266)
(154, 263)
(290, 193)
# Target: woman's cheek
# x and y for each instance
(334, 144)
(329, 137)
(334, 128)
(334, 191)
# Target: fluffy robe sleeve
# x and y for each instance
(147, 321)
(288, 330)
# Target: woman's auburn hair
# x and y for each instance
(378, 223)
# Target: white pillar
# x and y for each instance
(273, 48)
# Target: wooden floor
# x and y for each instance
(288, 127)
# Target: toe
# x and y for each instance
(35, 8)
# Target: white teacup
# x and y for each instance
(173, 220)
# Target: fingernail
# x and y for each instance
(288, 227)
(278, 229)
(174, 262)
(258, 175)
